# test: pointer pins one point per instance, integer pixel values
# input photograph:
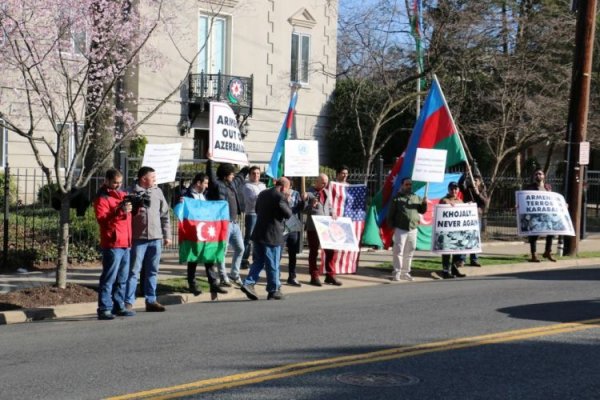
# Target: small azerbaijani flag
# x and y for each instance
(202, 230)
(275, 167)
(347, 201)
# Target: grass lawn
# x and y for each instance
(179, 285)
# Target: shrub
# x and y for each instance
(12, 191)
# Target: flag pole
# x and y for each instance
(460, 136)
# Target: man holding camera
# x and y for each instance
(151, 229)
(113, 213)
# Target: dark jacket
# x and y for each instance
(271, 209)
(219, 190)
(469, 194)
(319, 208)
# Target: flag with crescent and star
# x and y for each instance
(202, 229)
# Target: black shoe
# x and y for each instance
(315, 282)
(218, 289)
(124, 312)
(226, 284)
(475, 264)
(293, 282)
(249, 291)
(457, 273)
(277, 295)
(330, 280)
(194, 289)
(447, 275)
(105, 316)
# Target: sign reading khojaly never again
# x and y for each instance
(226, 144)
(543, 213)
(455, 229)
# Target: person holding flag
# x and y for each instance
(403, 217)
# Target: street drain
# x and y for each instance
(377, 379)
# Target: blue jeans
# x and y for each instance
(146, 254)
(235, 239)
(113, 280)
(249, 222)
(266, 257)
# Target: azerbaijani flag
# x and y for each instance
(435, 129)
(202, 230)
(275, 167)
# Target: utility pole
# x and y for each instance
(578, 115)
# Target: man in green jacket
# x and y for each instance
(403, 216)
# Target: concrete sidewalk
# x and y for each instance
(365, 276)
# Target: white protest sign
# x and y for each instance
(301, 158)
(542, 213)
(335, 234)
(430, 165)
(164, 158)
(455, 229)
(225, 140)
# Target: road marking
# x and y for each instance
(286, 371)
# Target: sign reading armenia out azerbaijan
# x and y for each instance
(543, 213)
(226, 144)
(202, 229)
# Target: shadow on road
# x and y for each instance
(562, 311)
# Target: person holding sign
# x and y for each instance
(227, 185)
(538, 183)
(451, 270)
(317, 202)
(403, 216)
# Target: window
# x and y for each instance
(3, 143)
(300, 57)
(69, 144)
(73, 36)
(200, 143)
(212, 42)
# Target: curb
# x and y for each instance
(350, 281)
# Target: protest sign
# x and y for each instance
(226, 144)
(542, 213)
(456, 229)
(336, 234)
(301, 158)
(430, 165)
(164, 158)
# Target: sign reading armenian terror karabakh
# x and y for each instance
(542, 213)
(226, 144)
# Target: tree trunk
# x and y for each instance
(63, 242)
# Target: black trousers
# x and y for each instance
(533, 243)
(211, 273)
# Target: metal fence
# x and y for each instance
(31, 224)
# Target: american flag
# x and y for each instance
(348, 201)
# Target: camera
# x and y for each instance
(137, 201)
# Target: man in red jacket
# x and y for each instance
(113, 214)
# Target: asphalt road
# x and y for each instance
(88, 359)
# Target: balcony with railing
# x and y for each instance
(231, 89)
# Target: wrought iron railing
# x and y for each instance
(232, 89)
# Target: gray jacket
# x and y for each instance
(318, 208)
(153, 221)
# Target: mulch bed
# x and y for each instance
(46, 296)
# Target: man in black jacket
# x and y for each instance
(271, 209)
(227, 185)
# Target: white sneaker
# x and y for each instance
(396, 277)
(406, 277)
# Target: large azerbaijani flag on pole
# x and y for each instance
(275, 167)
(202, 228)
(435, 129)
